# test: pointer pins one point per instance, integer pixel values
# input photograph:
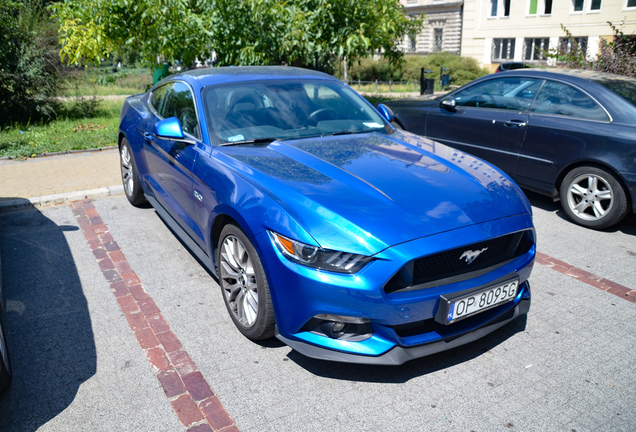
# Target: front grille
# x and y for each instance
(461, 263)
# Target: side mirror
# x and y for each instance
(170, 129)
(386, 112)
(448, 103)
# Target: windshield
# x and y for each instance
(268, 110)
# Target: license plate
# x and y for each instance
(481, 301)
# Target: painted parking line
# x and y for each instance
(191, 397)
(587, 277)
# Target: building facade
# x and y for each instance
(499, 31)
(442, 29)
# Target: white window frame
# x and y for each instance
(532, 48)
(593, 11)
(540, 8)
(436, 31)
(501, 9)
(501, 59)
(575, 12)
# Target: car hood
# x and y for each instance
(363, 193)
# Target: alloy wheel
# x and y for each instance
(239, 281)
(590, 197)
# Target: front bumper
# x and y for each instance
(403, 323)
(399, 354)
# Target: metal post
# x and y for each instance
(422, 82)
(376, 85)
(390, 86)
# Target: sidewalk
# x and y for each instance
(54, 179)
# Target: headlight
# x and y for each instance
(313, 256)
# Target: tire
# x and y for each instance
(130, 175)
(244, 285)
(5, 363)
(593, 198)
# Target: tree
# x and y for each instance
(308, 32)
(241, 32)
(617, 56)
(156, 29)
(29, 66)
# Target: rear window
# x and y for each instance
(622, 87)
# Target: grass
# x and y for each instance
(106, 81)
(67, 133)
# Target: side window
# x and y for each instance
(500, 93)
(180, 104)
(158, 97)
(562, 99)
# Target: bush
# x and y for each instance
(29, 63)
(462, 69)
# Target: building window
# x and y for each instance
(577, 5)
(412, 42)
(437, 39)
(503, 49)
(566, 45)
(547, 7)
(506, 4)
(542, 7)
(411, 2)
(630, 4)
(534, 49)
(493, 7)
(499, 10)
(595, 5)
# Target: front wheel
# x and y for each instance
(130, 175)
(244, 285)
(593, 198)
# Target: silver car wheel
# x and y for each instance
(127, 170)
(590, 197)
(239, 281)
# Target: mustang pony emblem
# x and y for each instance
(471, 255)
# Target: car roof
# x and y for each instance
(568, 74)
(223, 75)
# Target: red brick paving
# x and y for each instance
(194, 402)
(586, 277)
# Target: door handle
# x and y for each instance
(515, 123)
(148, 136)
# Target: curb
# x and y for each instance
(11, 204)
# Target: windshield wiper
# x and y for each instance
(253, 141)
(341, 133)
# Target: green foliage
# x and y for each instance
(241, 32)
(308, 32)
(617, 56)
(29, 66)
(69, 132)
(171, 29)
(462, 69)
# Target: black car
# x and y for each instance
(569, 134)
(511, 66)
(5, 366)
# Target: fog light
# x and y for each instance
(338, 327)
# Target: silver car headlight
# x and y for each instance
(312, 256)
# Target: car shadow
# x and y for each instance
(414, 368)
(47, 322)
(626, 226)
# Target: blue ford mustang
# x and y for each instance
(346, 238)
